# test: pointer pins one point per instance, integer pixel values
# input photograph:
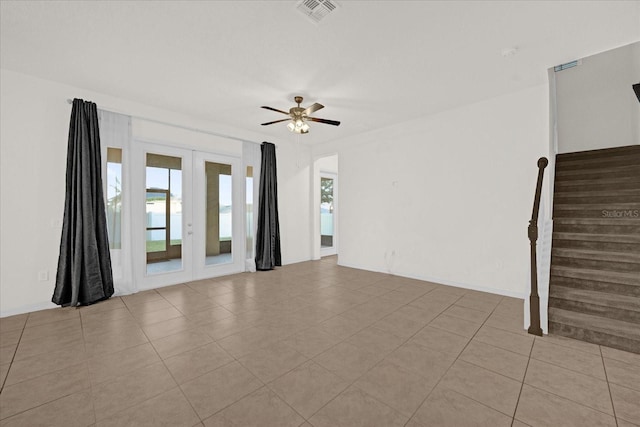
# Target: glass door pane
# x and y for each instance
(114, 197)
(163, 213)
(157, 227)
(249, 212)
(219, 208)
(326, 212)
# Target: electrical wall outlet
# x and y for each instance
(43, 275)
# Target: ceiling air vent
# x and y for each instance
(316, 10)
(568, 65)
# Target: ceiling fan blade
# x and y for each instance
(275, 121)
(328, 122)
(274, 109)
(312, 109)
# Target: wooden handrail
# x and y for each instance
(534, 299)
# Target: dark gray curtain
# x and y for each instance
(84, 265)
(268, 234)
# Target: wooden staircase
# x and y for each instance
(594, 289)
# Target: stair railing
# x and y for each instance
(534, 299)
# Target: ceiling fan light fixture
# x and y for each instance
(298, 117)
(298, 126)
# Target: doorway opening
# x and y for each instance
(326, 206)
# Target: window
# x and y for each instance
(114, 197)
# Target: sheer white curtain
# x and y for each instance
(251, 156)
(115, 132)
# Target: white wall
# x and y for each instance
(597, 107)
(446, 198)
(328, 164)
(34, 117)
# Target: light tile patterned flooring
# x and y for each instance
(307, 344)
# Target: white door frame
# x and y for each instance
(238, 242)
(193, 216)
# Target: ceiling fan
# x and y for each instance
(298, 117)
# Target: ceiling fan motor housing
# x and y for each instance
(296, 111)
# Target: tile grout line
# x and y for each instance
(165, 365)
(39, 376)
(349, 384)
(84, 344)
(604, 365)
(266, 385)
(145, 366)
(13, 357)
(455, 360)
(515, 410)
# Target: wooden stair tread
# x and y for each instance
(600, 152)
(597, 162)
(598, 221)
(595, 323)
(605, 170)
(633, 179)
(631, 279)
(622, 205)
(606, 299)
(572, 193)
(618, 238)
(594, 285)
(596, 255)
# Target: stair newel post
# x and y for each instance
(534, 299)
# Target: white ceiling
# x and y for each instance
(371, 63)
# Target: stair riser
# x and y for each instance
(630, 316)
(605, 246)
(612, 211)
(623, 267)
(594, 337)
(596, 229)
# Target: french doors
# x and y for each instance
(187, 215)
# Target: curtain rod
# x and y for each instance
(147, 119)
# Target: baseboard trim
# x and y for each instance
(27, 309)
(473, 287)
